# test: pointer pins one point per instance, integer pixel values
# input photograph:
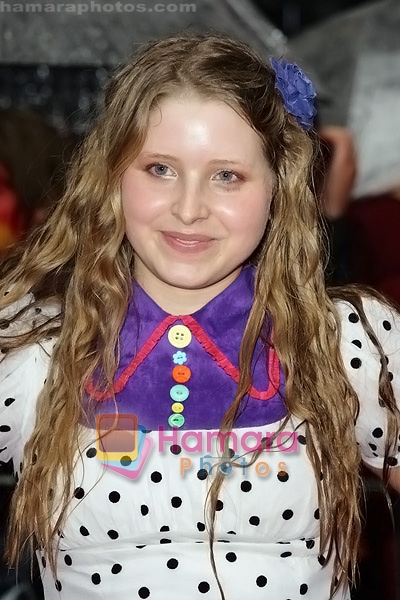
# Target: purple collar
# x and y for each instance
(188, 365)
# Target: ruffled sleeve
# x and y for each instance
(363, 362)
(22, 376)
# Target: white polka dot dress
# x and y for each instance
(147, 538)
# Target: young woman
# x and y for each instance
(178, 292)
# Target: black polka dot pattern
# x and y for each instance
(172, 563)
(204, 587)
(231, 557)
(245, 486)
(353, 317)
(355, 363)
(79, 493)
(357, 343)
(287, 514)
(114, 535)
(156, 477)
(202, 474)
(157, 503)
(377, 432)
(261, 581)
(175, 449)
(115, 569)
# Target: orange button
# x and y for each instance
(181, 374)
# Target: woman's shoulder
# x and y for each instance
(25, 314)
(18, 319)
(23, 371)
(369, 319)
(370, 337)
(368, 325)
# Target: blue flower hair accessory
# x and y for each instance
(297, 91)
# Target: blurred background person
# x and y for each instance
(33, 161)
(338, 176)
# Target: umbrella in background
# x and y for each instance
(57, 62)
(357, 57)
(103, 33)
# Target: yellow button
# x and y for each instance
(177, 407)
(179, 336)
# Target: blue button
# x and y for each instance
(179, 393)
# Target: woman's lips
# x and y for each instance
(187, 242)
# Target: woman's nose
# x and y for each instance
(191, 203)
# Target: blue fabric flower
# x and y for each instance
(179, 358)
(297, 91)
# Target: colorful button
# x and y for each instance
(179, 358)
(176, 420)
(177, 407)
(181, 374)
(179, 336)
(179, 393)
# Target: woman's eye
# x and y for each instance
(228, 176)
(159, 169)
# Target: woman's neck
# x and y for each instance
(180, 301)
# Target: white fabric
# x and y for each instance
(145, 538)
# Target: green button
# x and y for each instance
(176, 420)
(179, 393)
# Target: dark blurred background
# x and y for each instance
(292, 16)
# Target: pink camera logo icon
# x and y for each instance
(122, 444)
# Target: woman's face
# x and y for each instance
(196, 200)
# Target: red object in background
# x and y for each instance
(12, 220)
(375, 243)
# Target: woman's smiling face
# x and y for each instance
(196, 199)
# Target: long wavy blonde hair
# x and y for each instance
(82, 258)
